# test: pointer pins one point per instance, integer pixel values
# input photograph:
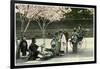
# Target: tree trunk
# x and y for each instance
(43, 36)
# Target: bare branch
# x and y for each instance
(27, 25)
(39, 24)
(48, 24)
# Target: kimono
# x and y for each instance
(80, 35)
(74, 41)
(64, 43)
(54, 46)
(23, 47)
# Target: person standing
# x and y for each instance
(67, 37)
(74, 40)
(53, 44)
(80, 33)
(23, 46)
(64, 47)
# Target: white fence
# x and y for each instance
(89, 42)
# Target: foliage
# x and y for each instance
(79, 13)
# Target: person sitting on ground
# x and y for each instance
(33, 50)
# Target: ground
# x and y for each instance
(85, 53)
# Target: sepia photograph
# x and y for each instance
(47, 33)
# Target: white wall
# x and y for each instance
(5, 34)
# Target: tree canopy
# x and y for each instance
(79, 14)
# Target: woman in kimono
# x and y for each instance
(74, 40)
(54, 43)
(64, 47)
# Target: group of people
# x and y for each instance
(59, 44)
(60, 40)
(33, 49)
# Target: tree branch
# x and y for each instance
(48, 24)
(38, 23)
(27, 25)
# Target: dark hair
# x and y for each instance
(74, 30)
(60, 31)
(33, 40)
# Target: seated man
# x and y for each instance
(33, 52)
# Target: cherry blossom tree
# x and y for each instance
(46, 13)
